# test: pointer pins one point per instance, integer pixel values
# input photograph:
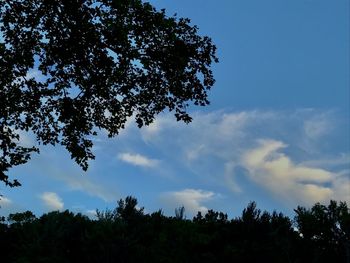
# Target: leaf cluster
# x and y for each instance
(71, 68)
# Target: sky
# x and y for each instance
(276, 131)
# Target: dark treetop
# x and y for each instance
(320, 234)
(72, 67)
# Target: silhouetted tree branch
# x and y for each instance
(71, 68)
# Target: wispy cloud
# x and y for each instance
(52, 201)
(342, 159)
(5, 202)
(54, 165)
(90, 187)
(220, 151)
(8, 206)
(138, 160)
(318, 126)
(226, 142)
(91, 213)
(229, 177)
(191, 199)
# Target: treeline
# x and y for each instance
(127, 234)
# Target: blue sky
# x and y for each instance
(276, 132)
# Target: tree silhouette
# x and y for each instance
(71, 68)
(128, 234)
(180, 213)
(325, 231)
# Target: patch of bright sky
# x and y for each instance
(277, 130)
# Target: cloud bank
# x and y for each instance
(52, 201)
(276, 172)
(289, 155)
(284, 158)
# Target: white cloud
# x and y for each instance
(218, 150)
(91, 213)
(153, 128)
(209, 133)
(158, 126)
(193, 154)
(52, 201)
(296, 183)
(229, 177)
(341, 185)
(138, 160)
(191, 199)
(343, 159)
(318, 126)
(10, 206)
(81, 183)
(218, 146)
(5, 202)
(230, 124)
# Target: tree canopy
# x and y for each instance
(73, 67)
(129, 234)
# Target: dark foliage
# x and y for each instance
(127, 234)
(70, 68)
